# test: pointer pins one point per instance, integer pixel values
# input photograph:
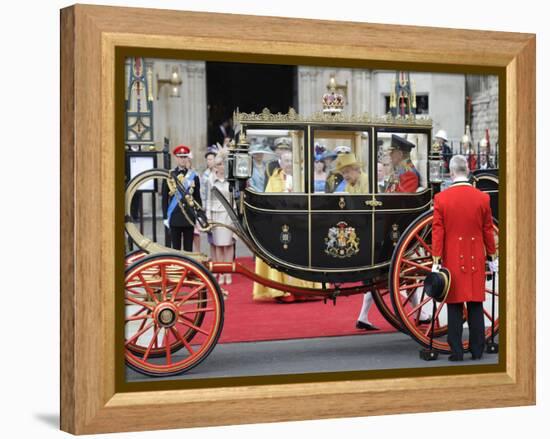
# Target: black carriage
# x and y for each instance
(350, 243)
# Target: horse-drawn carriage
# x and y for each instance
(348, 243)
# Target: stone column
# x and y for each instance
(309, 96)
(182, 119)
(360, 91)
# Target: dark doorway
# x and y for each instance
(250, 87)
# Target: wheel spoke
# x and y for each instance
(435, 317)
(147, 288)
(186, 322)
(138, 302)
(164, 278)
(414, 264)
(178, 285)
(138, 334)
(488, 315)
(139, 311)
(423, 243)
(191, 294)
(140, 317)
(418, 307)
(153, 340)
(408, 298)
(167, 348)
(411, 286)
(184, 342)
(137, 293)
(199, 310)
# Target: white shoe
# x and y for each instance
(228, 279)
(221, 279)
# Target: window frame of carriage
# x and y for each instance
(308, 129)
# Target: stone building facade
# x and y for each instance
(484, 93)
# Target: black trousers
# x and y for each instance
(175, 236)
(476, 326)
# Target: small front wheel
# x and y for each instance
(174, 314)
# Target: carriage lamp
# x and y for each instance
(174, 82)
(436, 163)
(242, 166)
(436, 168)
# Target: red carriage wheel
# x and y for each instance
(382, 300)
(381, 296)
(195, 310)
(174, 314)
(407, 274)
(133, 256)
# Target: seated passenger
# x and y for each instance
(281, 145)
(405, 177)
(335, 181)
(281, 179)
(355, 181)
(259, 178)
(320, 175)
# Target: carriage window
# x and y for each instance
(277, 160)
(341, 161)
(402, 162)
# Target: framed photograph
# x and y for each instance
(292, 228)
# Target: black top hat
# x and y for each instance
(400, 143)
(436, 285)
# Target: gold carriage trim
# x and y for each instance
(293, 117)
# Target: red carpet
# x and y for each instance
(248, 320)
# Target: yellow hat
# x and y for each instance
(344, 160)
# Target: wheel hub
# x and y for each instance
(166, 314)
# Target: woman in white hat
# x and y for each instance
(259, 177)
(222, 238)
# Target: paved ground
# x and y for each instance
(327, 354)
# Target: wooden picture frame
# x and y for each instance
(91, 400)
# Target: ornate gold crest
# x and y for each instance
(342, 241)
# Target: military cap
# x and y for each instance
(182, 151)
(398, 142)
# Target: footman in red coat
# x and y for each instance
(462, 240)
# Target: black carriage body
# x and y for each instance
(291, 231)
(486, 180)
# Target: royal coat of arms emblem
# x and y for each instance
(342, 241)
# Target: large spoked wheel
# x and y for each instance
(382, 296)
(382, 300)
(411, 262)
(174, 314)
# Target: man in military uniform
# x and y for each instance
(462, 236)
(405, 177)
(189, 181)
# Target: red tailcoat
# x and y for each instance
(462, 236)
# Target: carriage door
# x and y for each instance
(340, 187)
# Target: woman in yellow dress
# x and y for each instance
(280, 181)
